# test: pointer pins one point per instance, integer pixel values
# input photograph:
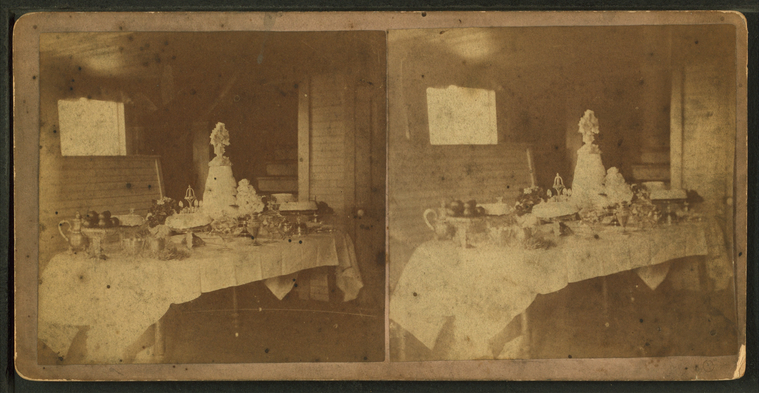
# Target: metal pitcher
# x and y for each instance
(440, 227)
(76, 240)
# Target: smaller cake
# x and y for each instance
(617, 190)
(248, 201)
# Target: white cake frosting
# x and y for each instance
(588, 181)
(220, 191)
(221, 187)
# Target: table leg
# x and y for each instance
(605, 300)
(398, 341)
(188, 240)
(160, 340)
(527, 333)
(703, 280)
(95, 249)
(235, 312)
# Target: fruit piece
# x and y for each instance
(115, 221)
(457, 206)
(480, 211)
(92, 216)
(106, 214)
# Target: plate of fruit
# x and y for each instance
(101, 220)
(459, 209)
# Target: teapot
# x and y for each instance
(76, 240)
(441, 228)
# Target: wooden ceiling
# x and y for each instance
(269, 56)
(172, 75)
(573, 52)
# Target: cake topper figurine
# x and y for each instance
(189, 196)
(219, 139)
(558, 184)
(588, 127)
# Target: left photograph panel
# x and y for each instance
(211, 197)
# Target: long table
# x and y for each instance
(116, 300)
(484, 288)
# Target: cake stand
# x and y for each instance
(96, 236)
(464, 226)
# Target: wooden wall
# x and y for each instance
(708, 131)
(327, 143)
(82, 184)
(544, 79)
(423, 177)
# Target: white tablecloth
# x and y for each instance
(119, 298)
(485, 288)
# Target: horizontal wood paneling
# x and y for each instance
(80, 184)
(79, 179)
(423, 176)
(278, 184)
(83, 182)
(708, 131)
(327, 145)
(282, 169)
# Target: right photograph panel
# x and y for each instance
(561, 192)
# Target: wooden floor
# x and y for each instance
(266, 329)
(635, 321)
(574, 322)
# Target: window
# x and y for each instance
(92, 128)
(461, 116)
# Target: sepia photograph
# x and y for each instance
(211, 197)
(562, 192)
(363, 196)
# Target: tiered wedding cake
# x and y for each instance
(221, 187)
(593, 186)
(588, 181)
(222, 196)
